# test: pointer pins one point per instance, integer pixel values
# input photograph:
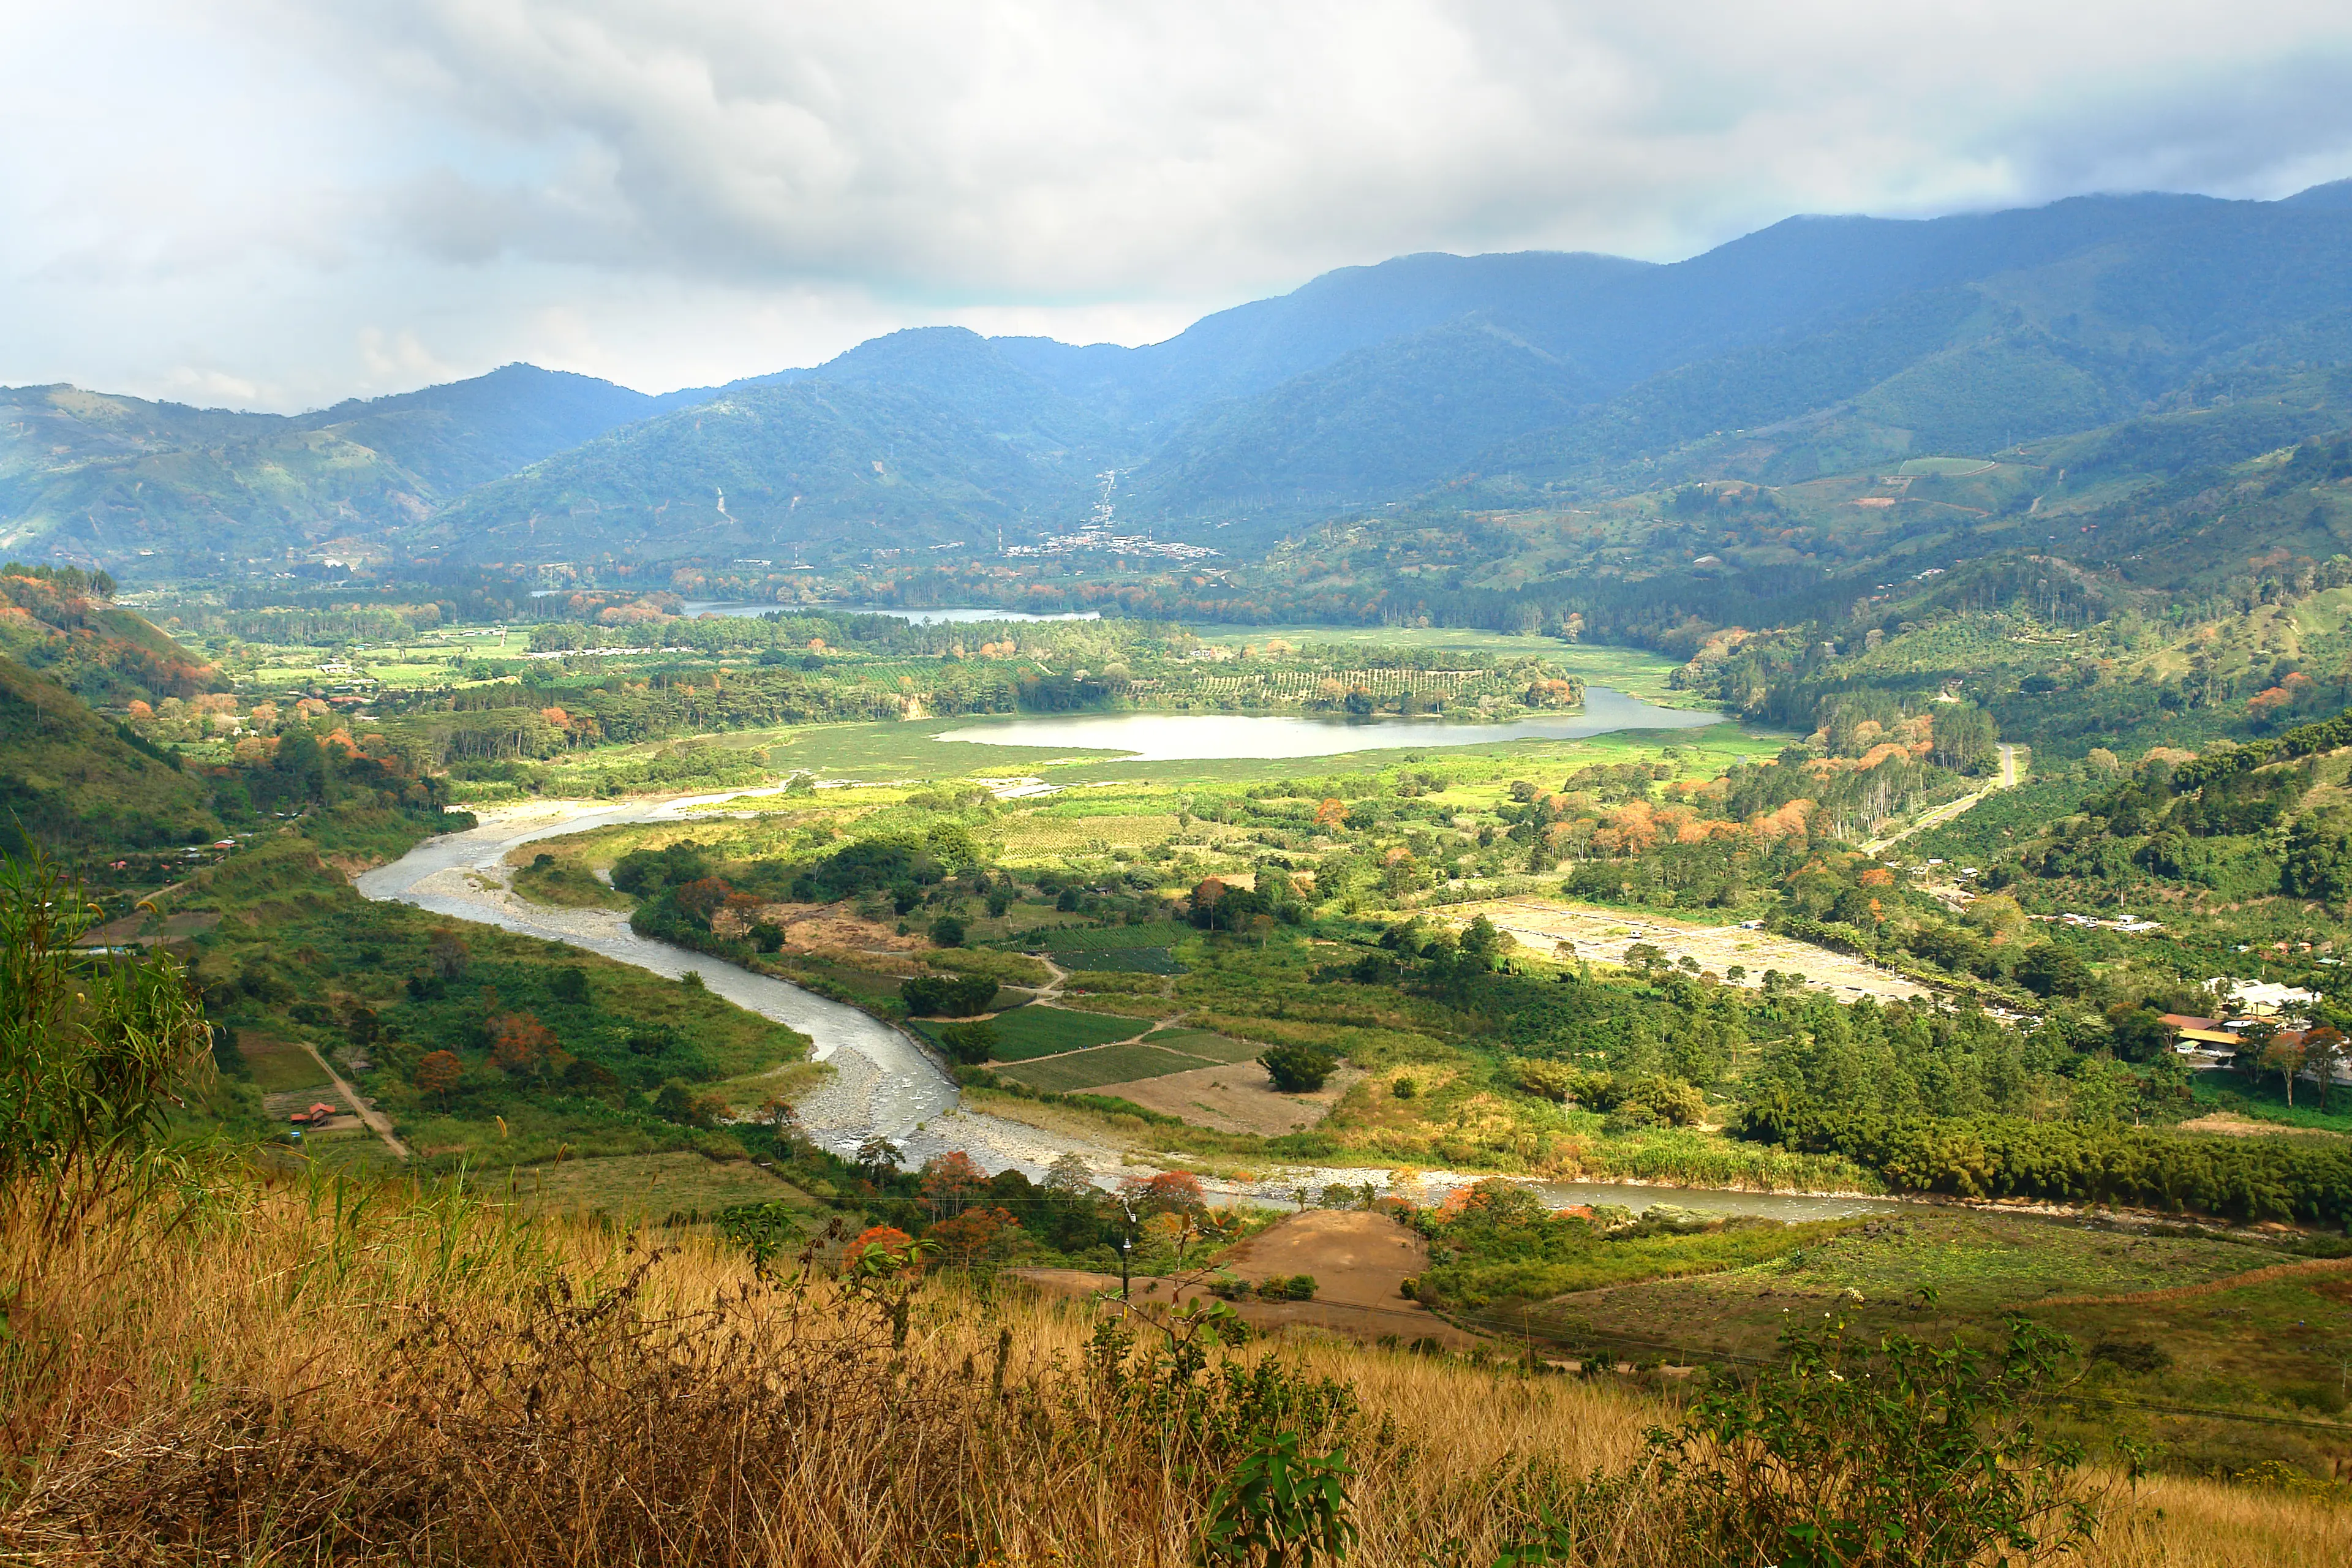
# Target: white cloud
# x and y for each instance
(666, 192)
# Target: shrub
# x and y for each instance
(947, 932)
(1914, 1455)
(948, 996)
(969, 1044)
(1298, 1069)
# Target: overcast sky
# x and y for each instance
(273, 204)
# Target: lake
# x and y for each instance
(955, 615)
(1197, 737)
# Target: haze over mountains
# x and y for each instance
(1819, 345)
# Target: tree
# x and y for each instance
(1333, 814)
(2325, 1051)
(947, 996)
(1171, 1192)
(1070, 1175)
(947, 932)
(438, 1075)
(570, 984)
(2285, 1057)
(2049, 970)
(968, 1237)
(950, 1182)
(1964, 736)
(876, 1158)
(881, 1242)
(1297, 1069)
(361, 1023)
(521, 1045)
(446, 953)
(969, 1044)
(2140, 1035)
(2318, 860)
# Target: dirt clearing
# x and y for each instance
(1359, 1261)
(1604, 935)
(1234, 1097)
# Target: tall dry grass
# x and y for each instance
(237, 1372)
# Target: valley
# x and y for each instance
(1490, 818)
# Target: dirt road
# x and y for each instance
(377, 1122)
(1950, 809)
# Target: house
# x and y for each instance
(2264, 998)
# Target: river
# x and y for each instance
(882, 1081)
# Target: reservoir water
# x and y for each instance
(1193, 737)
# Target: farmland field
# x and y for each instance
(1106, 1063)
(1025, 1033)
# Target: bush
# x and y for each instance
(1298, 1069)
(1914, 1455)
(947, 932)
(969, 1044)
(948, 996)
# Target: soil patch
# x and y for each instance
(1236, 1097)
(1604, 934)
(2229, 1124)
(1359, 1261)
(817, 928)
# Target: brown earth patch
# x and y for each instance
(2229, 1124)
(814, 927)
(1236, 1097)
(1359, 1261)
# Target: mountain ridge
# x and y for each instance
(1497, 379)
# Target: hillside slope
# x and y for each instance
(126, 483)
(922, 438)
(72, 782)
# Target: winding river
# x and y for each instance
(882, 1083)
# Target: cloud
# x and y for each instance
(651, 192)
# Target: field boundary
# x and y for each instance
(2209, 1288)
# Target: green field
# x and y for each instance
(1128, 960)
(1106, 1064)
(1102, 938)
(1025, 1033)
(1948, 466)
(1202, 1042)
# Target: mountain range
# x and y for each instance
(1816, 346)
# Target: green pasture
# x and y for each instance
(1097, 939)
(1948, 466)
(1106, 1063)
(1025, 1034)
(1202, 1042)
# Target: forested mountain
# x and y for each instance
(931, 437)
(106, 480)
(1817, 347)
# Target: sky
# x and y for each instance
(276, 204)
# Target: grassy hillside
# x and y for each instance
(717, 1417)
(75, 783)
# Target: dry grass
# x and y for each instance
(251, 1374)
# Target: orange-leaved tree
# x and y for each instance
(438, 1075)
(521, 1045)
(950, 1182)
